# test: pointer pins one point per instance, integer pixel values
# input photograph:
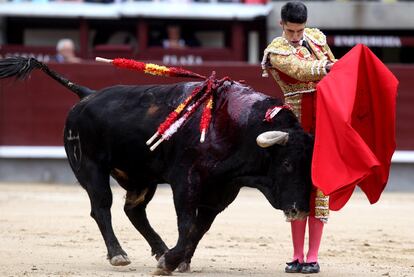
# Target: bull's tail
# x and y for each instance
(21, 67)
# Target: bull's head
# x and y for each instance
(289, 170)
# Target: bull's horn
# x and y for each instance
(270, 138)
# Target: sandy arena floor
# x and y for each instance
(45, 230)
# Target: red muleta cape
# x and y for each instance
(355, 127)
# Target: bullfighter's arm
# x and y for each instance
(297, 68)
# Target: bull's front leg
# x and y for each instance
(186, 199)
(215, 201)
(205, 218)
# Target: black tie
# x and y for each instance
(306, 45)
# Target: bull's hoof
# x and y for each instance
(161, 262)
(162, 268)
(120, 260)
(184, 267)
(162, 271)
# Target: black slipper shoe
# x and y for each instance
(310, 268)
(293, 267)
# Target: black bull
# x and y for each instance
(105, 135)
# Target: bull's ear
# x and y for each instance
(270, 138)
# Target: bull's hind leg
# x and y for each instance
(96, 182)
(135, 205)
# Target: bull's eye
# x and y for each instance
(288, 166)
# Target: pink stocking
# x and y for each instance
(298, 228)
(315, 236)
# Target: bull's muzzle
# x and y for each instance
(295, 214)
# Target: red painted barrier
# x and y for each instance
(33, 112)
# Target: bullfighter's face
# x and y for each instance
(293, 32)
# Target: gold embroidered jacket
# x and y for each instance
(297, 70)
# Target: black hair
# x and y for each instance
(294, 12)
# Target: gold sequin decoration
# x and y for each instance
(321, 206)
(315, 35)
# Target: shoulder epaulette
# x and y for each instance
(315, 35)
(280, 46)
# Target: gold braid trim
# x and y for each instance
(321, 206)
(295, 101)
